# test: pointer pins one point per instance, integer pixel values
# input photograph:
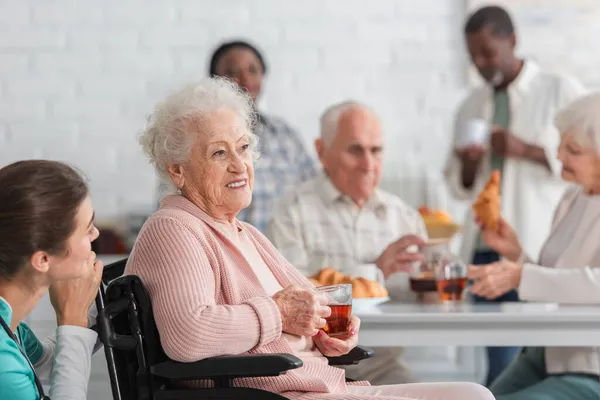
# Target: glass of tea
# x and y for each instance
(436, 253)
(340, 302)
(451, 280)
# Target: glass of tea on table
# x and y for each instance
(440, 272)
(423, 280)
(451, 281)
(340, 302)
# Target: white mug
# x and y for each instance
(473, 131)
(370, 272)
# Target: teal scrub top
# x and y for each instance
(16, 375)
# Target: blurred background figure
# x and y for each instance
(284, 161)
(341, 220)
(566, 272)
(516, 108)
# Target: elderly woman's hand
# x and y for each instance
(494, 280)
(332, 347)
(303, 311)
(504, 240)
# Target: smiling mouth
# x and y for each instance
(237, 184)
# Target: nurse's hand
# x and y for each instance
(71, 298)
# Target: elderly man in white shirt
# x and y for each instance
(519, 101)
(342, 220)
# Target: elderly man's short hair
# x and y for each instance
(331, 117)
(173, 127)
(581, 119)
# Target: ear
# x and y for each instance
(320, 148)
(176, 174)
(40, 260)
(513, 41)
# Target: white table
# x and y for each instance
(509, 324)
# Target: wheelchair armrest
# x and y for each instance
(356, 355)
(228, 367)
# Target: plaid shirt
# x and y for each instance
(283, 163)
(315, 226)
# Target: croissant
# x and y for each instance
(361, 287)
(329, 276)
(487, 205)
(314, 281)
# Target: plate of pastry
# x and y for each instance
(365, 293)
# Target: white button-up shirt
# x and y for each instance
(315, 226)
(530, 192)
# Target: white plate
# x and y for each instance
(361, 304)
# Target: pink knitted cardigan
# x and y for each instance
(208, 302)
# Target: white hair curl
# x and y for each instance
(172, 129)
(331, 117)
(581, 119)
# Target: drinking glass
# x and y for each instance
(451, 281)
(340, 302)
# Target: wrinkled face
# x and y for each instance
(220, 173)
(491, 54)
(242, 66)
(78, 245)
(353, 160)
(580, 164)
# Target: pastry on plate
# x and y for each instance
(361, 287)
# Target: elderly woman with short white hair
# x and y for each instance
(567, 271)
(217, 285)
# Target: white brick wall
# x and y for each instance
(78, 77)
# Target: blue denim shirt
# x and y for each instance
(283, 164)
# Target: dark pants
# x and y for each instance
(498, 357)
(527, 379)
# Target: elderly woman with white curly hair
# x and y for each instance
(217, 285)
(567, 271)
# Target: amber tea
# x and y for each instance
(340, 302)
(339, 320)
(451, 281)
(451, 289)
